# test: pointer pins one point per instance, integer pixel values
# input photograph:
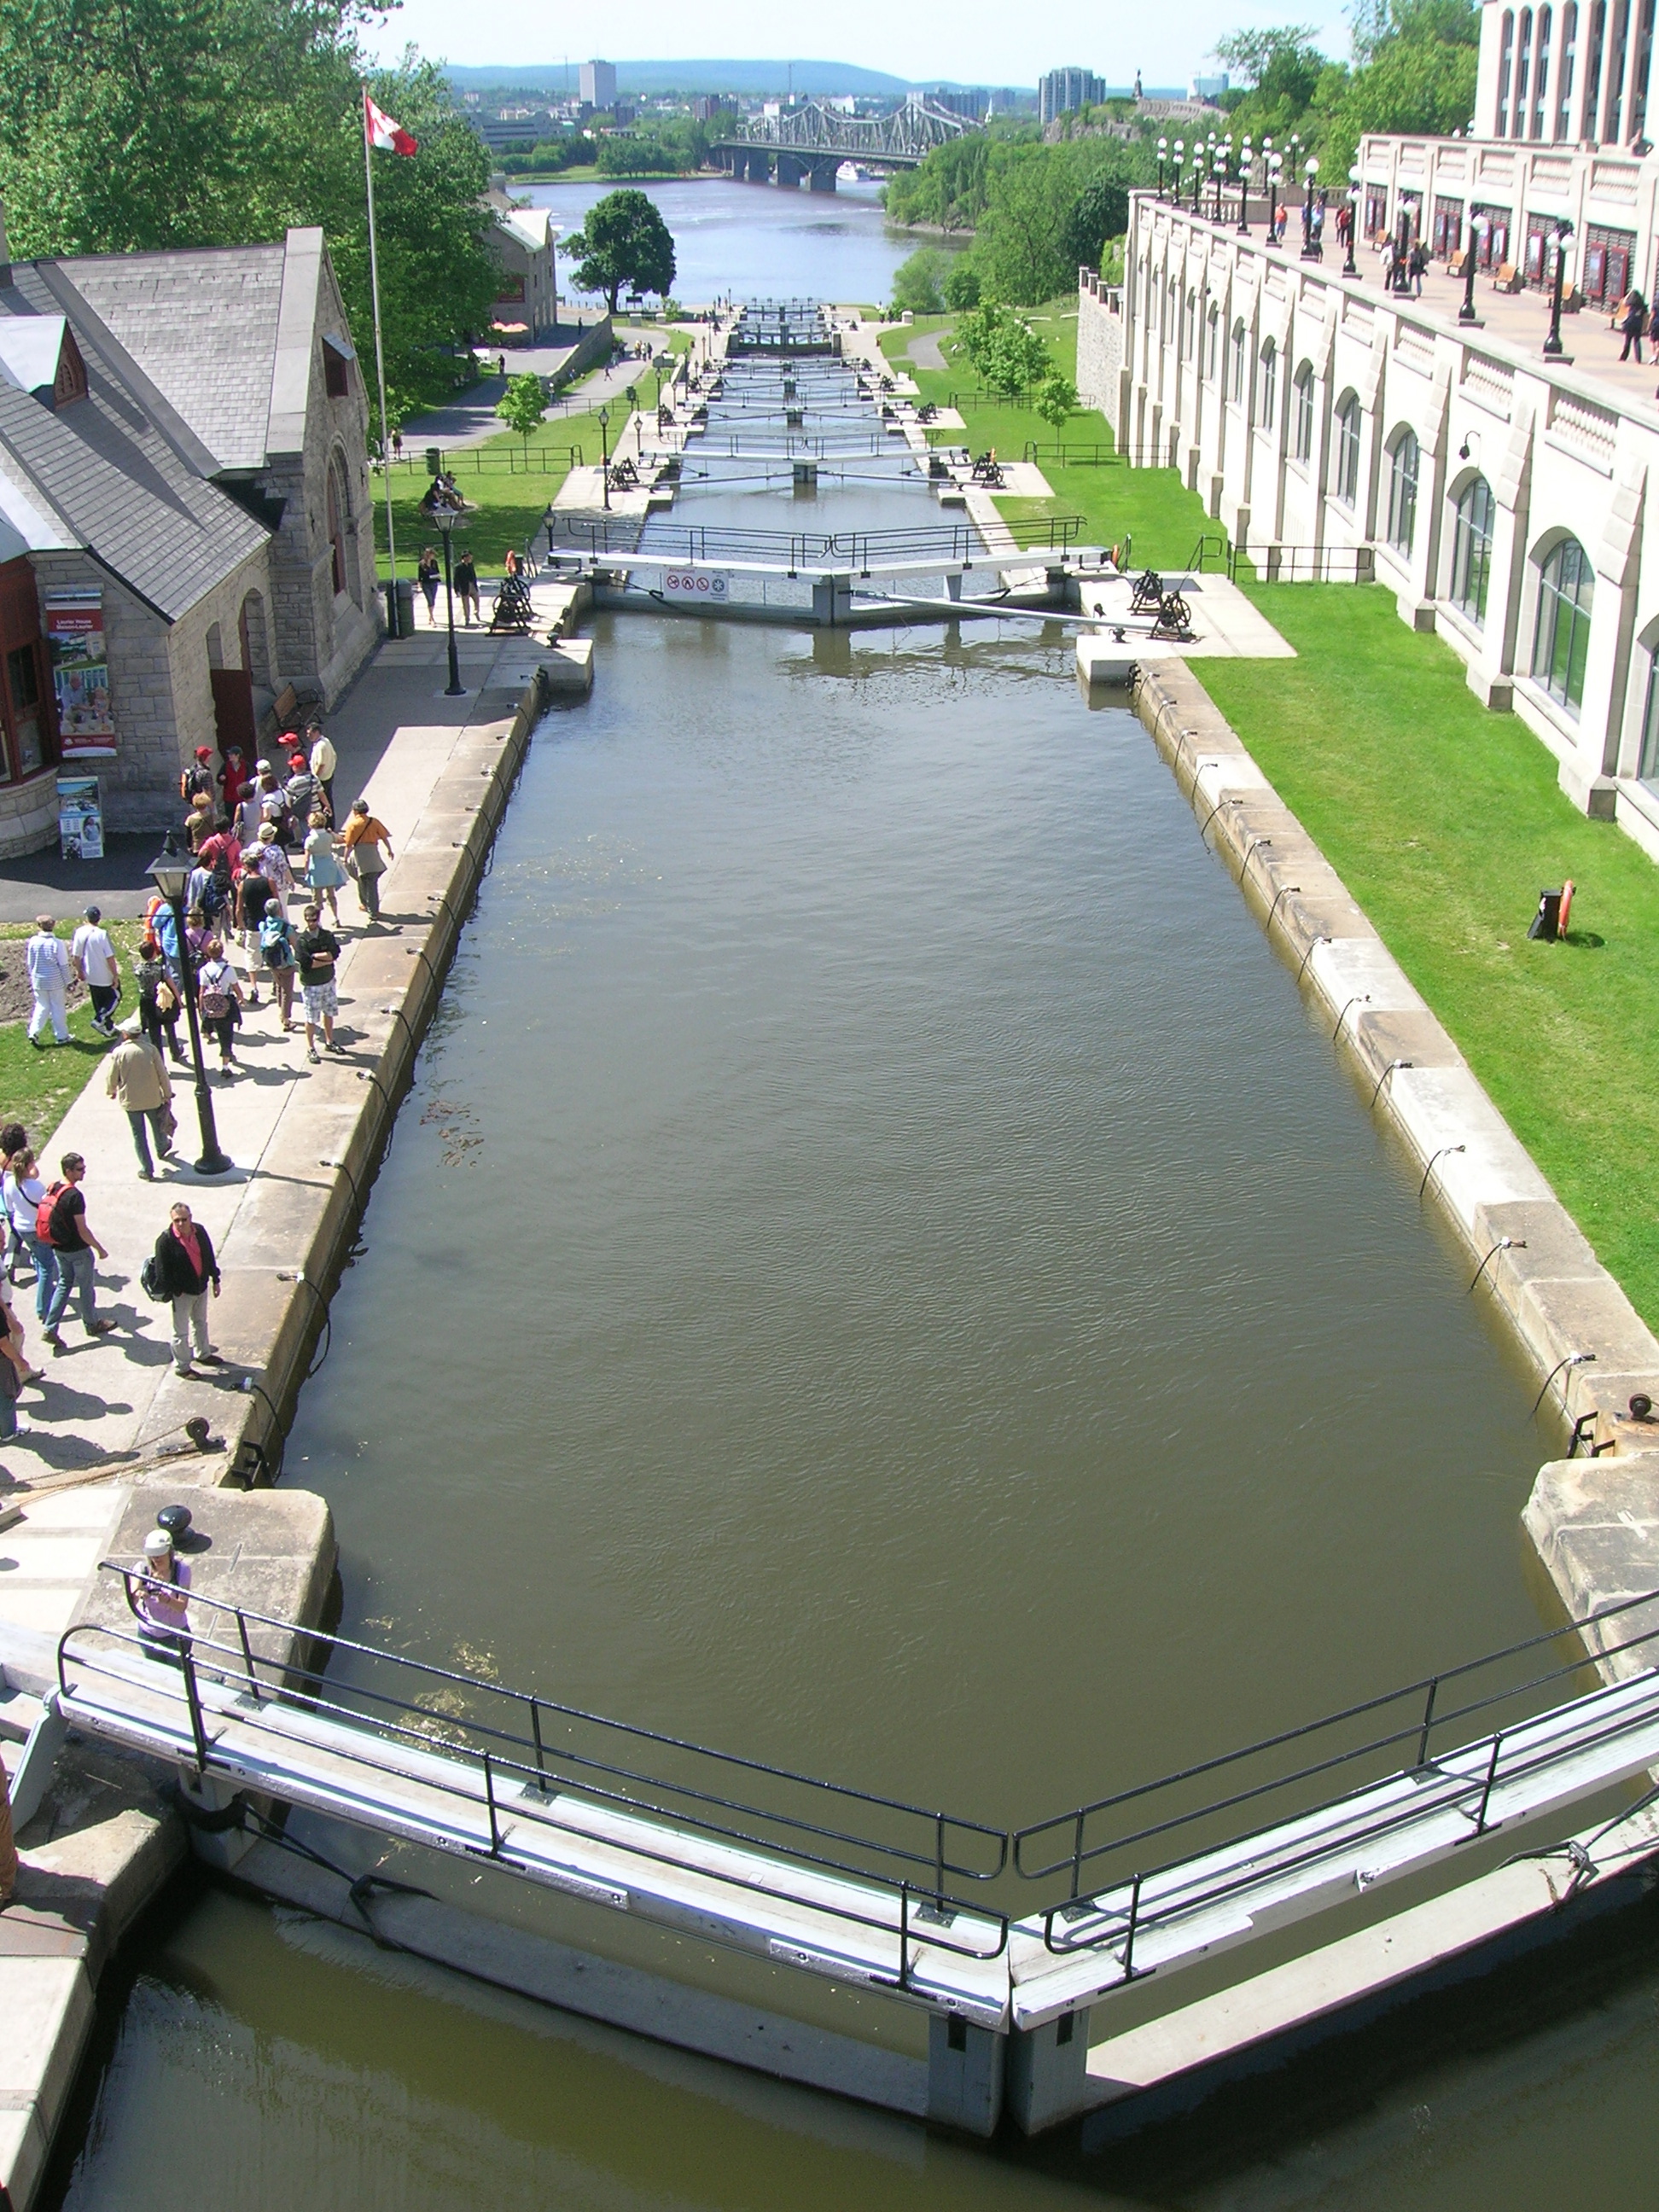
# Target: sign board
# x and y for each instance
(80, 817)
(692, 587)
(80, 674)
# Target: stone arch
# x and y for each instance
(215, 646)
(342, 525)
(1562, 588)
(1405, 465)
(255, 639)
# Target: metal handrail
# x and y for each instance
(942, 1827)
(1082, 1854)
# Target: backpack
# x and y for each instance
(150, 1283)
(273, 942)
(44, 1210)
(215, 1002)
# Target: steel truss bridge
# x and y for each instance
(813, 140)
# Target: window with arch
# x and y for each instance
(1593, 69)
(1647, 765)
(1403, 462)
(1638, 96)
(1612, 131)
(1506, 63)
(1347, 486)
(1189, 344)
(1212, 343)
(1522, 72)
(1563, 75)
(1560, 639)
(1268, 384)
(1471, 569)
(1541, 89)
(1304, 411)
(1241, 349)
(339, 515)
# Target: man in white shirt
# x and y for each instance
(323, 764)
(95, 964)
(51, 972)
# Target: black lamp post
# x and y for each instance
(605, 459)
(1563, 232)
(1219, 170)
(447, 518)
(1244, 165)
(1478, 229)
(1350, 267)
(1179, 151)
(1310, 171)
(1163, 152)
(1272, 163)
(170, 873)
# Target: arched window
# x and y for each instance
(1647, 766)
(1212, 345)
(1472, 550)
(1563, 80)
(1593, 69)
(1522, 72)
(1346, 487)
(1267, 386)
(1402, 492)
(1505, 60)
(1241, 347)
(1612, 132)
(1638, 96)
(1540, 91)
(1560, 641)
(341, 547)
(1190, 346)
(1305, 411)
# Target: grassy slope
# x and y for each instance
(39, 1088)
(1445, 822)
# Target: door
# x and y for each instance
(232, 710)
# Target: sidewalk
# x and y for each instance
(472, 419)
(394, 733)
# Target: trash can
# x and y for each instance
(1546, 922)
(434, 461)
(400, 618)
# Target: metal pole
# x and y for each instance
(1552, 342)
(213, 1160)
(1466, 312)
(379, 371)
(456, 689)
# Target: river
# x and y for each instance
(877, 1272)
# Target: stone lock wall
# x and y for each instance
(1099, 344)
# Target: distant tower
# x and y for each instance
(1136, 84)
(598, 84)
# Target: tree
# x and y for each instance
(1004, 350)
(919, 282)
(523, 405)
(1056, 399)
(623, 241)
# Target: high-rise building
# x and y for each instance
(598, 83)
(1065, 90)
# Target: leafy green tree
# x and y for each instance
(919, 282)
(1004, 349)
(962, 286)
(1056, 399)
(625, 241)
(523, 405)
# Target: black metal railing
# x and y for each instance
(558, 1748)
(1105, 1843)
(1306, 564)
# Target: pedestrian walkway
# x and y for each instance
(393, 734)
(471, 419)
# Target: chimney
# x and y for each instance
(5, 251)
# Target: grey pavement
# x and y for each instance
(472, 418)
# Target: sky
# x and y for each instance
(975, 42)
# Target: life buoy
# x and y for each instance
(1567, 908)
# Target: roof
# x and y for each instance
(527, 227)
(119, 472)
(31, 347)
(203, 327)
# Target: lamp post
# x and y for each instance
(170, 872)
(1174, 177)
(1244, 165)
(445, 518)
(1478, 229)
(1219, 170)
(1310, 171)
(1200, 156)
(1553, 347)
(1163, 151)
(605, 459)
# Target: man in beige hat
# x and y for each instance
(51, 971)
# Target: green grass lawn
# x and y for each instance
(507, 484)
(39, 1088)
(1149, 505)
(1445, 823)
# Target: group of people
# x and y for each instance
(1638, 320)
(463, 581)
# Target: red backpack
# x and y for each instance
(43, 1212)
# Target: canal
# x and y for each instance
(877, 1272)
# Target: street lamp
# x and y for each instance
(605, 459)
(1163, 151)
(1179, 163)
(1244, 191)
(445, 518)
(1310, 171)
(1478, 227)
(1219, 170)
(1350, 267)
(170, 872)
(1275, 164)
(1563, 233)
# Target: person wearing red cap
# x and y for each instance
(198, 777)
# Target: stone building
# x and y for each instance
(1338, 427)
(522, 239)
(185, 519)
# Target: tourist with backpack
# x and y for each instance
(61, 1223)
(365, 834)
(219, 1002)
(183, 1268)
(197, 782)
(277, 954)
(158, 996)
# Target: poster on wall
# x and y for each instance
(80, 817)
(80, 674)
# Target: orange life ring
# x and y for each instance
(1567, 908)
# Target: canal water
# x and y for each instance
(879, 1272)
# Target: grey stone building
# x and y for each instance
(185, 514)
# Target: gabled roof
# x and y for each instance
(119, 472)
(203, 327)
(527, 227)
(31, 347)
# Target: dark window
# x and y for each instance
(1402, 492)
(1563, 89)
(1648, 767)
(1472, 550)
(336, 529)
(337, 374)
(1268, 384)
(1505, 56)
(1560, 645)
(1305, 411)
(1347, 450)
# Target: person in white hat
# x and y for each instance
(162, 1604)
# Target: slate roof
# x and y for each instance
(203, 326)
(119, 471)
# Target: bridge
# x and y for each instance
(1006, 1941)
(811, 142)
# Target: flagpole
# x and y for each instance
(379, 371)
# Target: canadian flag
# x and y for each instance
(390, 137)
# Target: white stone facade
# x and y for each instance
(1335, 428)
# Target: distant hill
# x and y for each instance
(755, 80)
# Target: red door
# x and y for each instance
(232, 710)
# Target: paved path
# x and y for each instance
(472, 418)
(925, 351)
(394, 732)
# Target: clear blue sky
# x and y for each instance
(974, 42)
